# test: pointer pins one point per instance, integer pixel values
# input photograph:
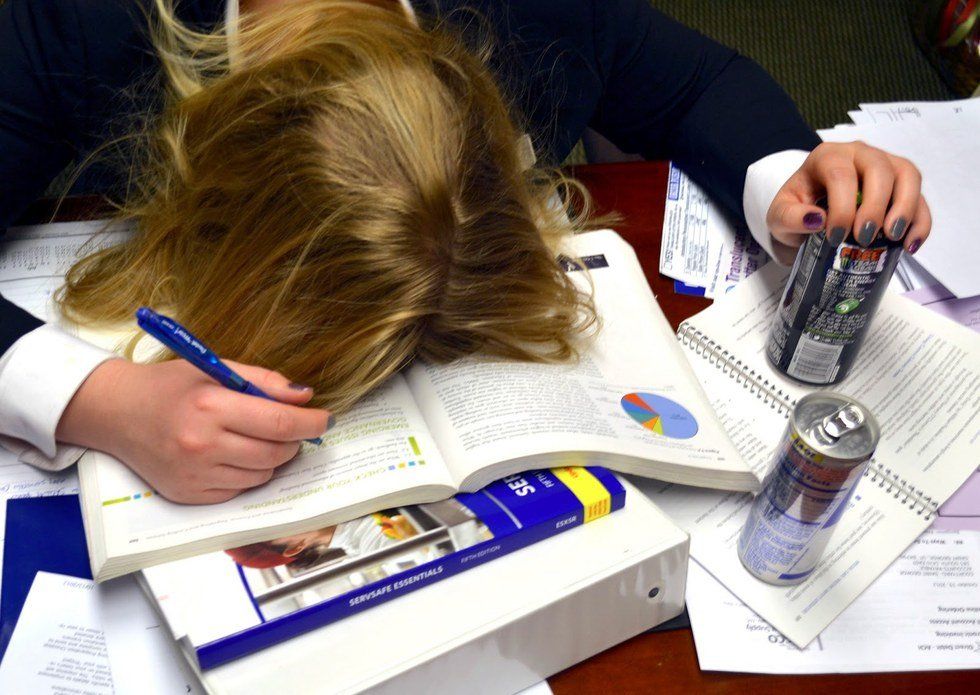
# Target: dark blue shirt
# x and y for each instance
(76, 73)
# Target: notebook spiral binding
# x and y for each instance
(758, 385)
(899, 488)
(777, 399)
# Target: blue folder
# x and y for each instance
(42, 534)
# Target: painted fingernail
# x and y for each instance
(866, 233)
(330, 421)
(299, 387)
(898, 229)
(836, 235)
(813, 220)
(915, 246)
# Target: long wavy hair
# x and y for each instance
(333, 191)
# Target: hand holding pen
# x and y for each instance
(183, 344)
(190, 438)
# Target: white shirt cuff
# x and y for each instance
(39, 374)
(763, 179)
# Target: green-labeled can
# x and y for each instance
(830, 297)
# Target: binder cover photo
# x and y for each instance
(235, 602)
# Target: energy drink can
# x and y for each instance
(827, 305)
(827, 445)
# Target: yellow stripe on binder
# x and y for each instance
(593, 495)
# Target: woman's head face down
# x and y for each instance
(337, 195)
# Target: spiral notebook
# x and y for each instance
(918, 372)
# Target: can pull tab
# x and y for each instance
(846, 419)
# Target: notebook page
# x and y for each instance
(875, 529)
(918, 373)
(878, 524)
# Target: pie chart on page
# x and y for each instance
(660, 415)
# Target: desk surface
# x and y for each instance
(666, 662)
(660, 662)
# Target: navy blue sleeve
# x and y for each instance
(67, 69)
(671, 93)
(74, 74)
(35, 103)
(39, 100)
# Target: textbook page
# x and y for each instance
(918, 374)
(921, 614)
(631, 403)
(379, 454)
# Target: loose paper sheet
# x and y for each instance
(922, 614)
(58, 646)
(700, 246)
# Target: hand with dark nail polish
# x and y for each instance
(813, 221)
(898, 229)
(914, 247)
(867, 233)
(836, 235)
(841, 186)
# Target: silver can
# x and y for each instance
(828, 443)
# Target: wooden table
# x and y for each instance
(665, 662)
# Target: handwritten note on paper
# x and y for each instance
(922, 614)
(58, 646)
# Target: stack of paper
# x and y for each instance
(940, 138)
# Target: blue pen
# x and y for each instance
(183, 344)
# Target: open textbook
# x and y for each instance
(631, 403)
(919, 373)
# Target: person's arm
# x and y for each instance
(671, 93)
(39, 374)
(41, 107)
(64, 65)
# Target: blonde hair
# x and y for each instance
(339, 195)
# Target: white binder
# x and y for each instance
(497, 628)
